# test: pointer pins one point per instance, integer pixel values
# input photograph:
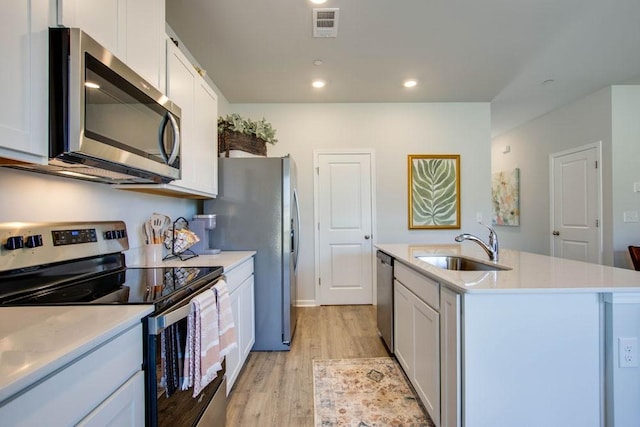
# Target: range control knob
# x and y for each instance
(33, 241)
(109, 235)
(14, 242)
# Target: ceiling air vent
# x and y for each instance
(325, 22)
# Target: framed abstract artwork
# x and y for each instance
(505, 197)
(434, 191)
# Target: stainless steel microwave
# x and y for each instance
(106, 123)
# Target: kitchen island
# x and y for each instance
(535, 343)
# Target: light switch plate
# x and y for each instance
(636, 187)
(630, 216)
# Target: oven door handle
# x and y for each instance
(163, 320)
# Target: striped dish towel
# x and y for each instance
(226, 326)
(202, 354)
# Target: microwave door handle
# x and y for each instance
(176, 139)
(169, 158)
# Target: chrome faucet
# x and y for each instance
(491, 249)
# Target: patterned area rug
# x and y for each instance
(364, 393)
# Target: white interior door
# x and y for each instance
(576, 202)
(344, 224)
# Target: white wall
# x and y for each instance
(626, 168)
(610, 115)
(585, 121)
(393, 131)
(31, 197)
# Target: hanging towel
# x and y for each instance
(189, 361)
(171, 355)
(226, 326)
(202, 354)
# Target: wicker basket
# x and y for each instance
(231, 140)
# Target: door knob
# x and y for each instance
(366, 236)
(556, 233)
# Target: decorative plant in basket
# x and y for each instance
(236, 133)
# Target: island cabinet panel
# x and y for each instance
(450, 355)
(423, 287)
(532, 359)
(403, 328)
(417, 335)
(426, 371)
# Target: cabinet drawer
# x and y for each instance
(426, 289)
(73, 392)
(237, 275)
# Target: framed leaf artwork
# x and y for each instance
(434, 191)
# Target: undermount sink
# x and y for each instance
(458, 263)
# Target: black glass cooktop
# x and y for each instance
(159, 286)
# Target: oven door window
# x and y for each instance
(119, 114)
(173, 406)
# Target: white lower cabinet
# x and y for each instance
(105, 386)
(417, 346)
(403, 326)
(241, 292)
(125, 407)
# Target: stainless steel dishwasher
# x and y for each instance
(384, 310)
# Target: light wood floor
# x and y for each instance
(276, 388)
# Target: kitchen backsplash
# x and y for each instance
(31, 197)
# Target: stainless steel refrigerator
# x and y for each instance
(257, 209)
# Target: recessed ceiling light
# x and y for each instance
(548, 82)
(318, 1)
(92, 85)
(317, 62)
(318, 84)
(410, 83)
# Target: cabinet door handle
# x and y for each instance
(556, 233)
(366, 236)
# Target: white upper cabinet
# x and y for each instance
(145, 45)
(205, 165)
(133, 30)
(199, 104)
(24, 81)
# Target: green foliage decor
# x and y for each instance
(260, 129)
(434, 191)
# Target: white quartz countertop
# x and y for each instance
(37, 341)
(528, 272)
(226, 259)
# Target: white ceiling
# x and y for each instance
(498, 51)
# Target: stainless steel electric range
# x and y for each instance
(84, 263)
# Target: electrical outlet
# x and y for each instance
(628, 352)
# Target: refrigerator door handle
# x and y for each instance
(296, 231)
